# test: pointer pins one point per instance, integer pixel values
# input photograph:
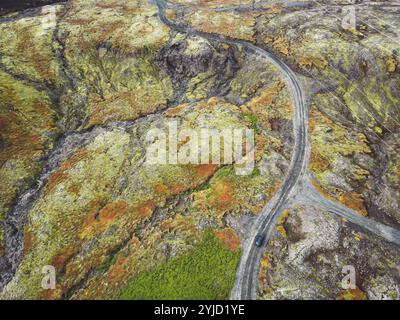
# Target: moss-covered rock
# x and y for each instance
(103, 202)
(28, 129)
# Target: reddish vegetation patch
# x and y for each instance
(118, 271)
(28, 241)
(222, 197)
(353, 201)
(34, 54)
(312, 61)
(161, 188)
(112, 210)
(77, 157)
(61, 259)
(98, 221)
(229, 238)
(311, 122)
(265, 265)
(21, 142)
(169, 188)
(177, 111)
(266, 98)
(205, 170)
(60, 175)
(227, 24)
(52, 294)
(55, 179)
(279, 43)
(273, 189)
(146, 210)
(261, 142)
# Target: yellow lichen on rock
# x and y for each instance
(239, 26)
(27, 129)
(114, 54)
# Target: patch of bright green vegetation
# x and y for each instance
(106, 264)
(252, 118)
(256, 172)
(207, 272)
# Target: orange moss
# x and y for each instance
(267, 97)
(161, 188)
(112, 211)
(321, 190)
(275, 8)
(224, 194)
(146, 210)
(49, 295)
(281, 221)
(265, 265)
(95, 205)
(169, 188)
(354, 201)
(28, 241)
(279, 43)
(226, 24)
(122, 106)
(177, 111)
(100, 220)
(260, 143)
(205, 170)
(170, 14)
(55, 179)
(35, 55)
(311, 122)
(312, 61)
(78, 156)
(183, 224)
(60, 175)
(229, 238)
(61, 259)
(219, 197)
(118, 271)
(273, 189)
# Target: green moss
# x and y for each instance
(200, 86)
(225, 173)
(27, 130)
(252, 118)
(207, 272)
(256, 172)
(106, 264)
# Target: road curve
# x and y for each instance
(247, 274)
(311, 196)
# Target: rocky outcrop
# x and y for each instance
(316, 255)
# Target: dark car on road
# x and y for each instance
(259, 240)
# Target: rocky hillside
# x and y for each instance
(77, 193)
